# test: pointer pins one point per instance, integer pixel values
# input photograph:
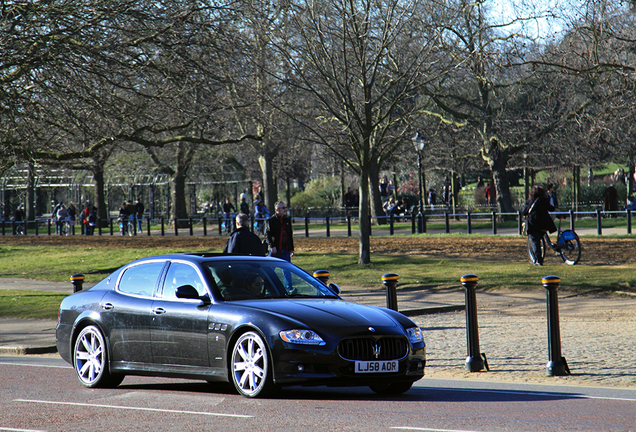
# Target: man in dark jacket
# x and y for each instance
(539, 221)
(279, 235)
(242, 241)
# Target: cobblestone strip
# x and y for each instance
(599, 350)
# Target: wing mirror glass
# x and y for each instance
(335, 288)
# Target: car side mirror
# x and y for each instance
(187, 292)
(335, 288)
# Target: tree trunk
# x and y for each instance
(496, 155)
(30, 193)
(179, 210)
(630, 174)
(374, 193)
(185, 154)
(502, 186)
(269, 185)
(364, 255)
(100, 196)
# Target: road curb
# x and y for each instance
(433, 310)
(20, 350)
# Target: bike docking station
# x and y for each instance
(557, 365)
(475, 361)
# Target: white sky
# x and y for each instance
(545, 26)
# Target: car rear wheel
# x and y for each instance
(250, 366)
(391, 388)
(90, 360)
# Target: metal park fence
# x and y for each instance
(439, 223)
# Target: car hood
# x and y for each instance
(326, 312)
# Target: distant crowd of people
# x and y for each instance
(65, 217)
(407, 205)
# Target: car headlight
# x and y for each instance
(415, 335)
(303, 337)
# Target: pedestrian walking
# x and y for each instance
(610, 200)
(242, 241)
(278, 233)
(490, 193)
(139, 210)
(228, 208)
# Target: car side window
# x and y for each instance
(141, 279)
(180, 274)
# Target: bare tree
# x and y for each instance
(359, 66)
(140, 72)
(597, 58)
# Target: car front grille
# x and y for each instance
(389, 348)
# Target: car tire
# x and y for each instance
(391, 388)
(250, 367)
(90, 359)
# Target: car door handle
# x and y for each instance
(159, 311)
(108, 306)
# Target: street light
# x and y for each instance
(419, 143)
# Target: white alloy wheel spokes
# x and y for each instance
(89, 356)
(249, 364)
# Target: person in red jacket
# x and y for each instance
(490, 193)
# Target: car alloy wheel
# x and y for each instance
(250, 366)
(90, 359)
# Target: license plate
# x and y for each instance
(376, 366)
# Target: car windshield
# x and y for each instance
(252, 280)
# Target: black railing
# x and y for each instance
(438, 223)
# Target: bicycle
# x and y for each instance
(259, 225)
(126, 226)
(227, 224)
(19, 228)
(65, 227)
(567, 246)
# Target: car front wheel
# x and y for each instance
(90, 362)
(250, 366)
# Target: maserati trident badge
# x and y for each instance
(376, 351)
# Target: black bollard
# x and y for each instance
(557, 365)
(322, 276)
(390, 281)
(474, 361)
(78, 281)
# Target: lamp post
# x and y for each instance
(419, 143)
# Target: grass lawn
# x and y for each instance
(59, 263)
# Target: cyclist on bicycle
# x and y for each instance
(261, 214)
(539, 221)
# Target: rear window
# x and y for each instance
(141, 279)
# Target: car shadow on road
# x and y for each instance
(416, 394)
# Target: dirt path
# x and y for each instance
(596, 251)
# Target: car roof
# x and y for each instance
(206, 256)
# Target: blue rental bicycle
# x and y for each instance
(567, 245)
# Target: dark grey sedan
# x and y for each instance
(259, 323)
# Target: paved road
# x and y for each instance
(43, 394)
(597, 333)
(40, 392)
